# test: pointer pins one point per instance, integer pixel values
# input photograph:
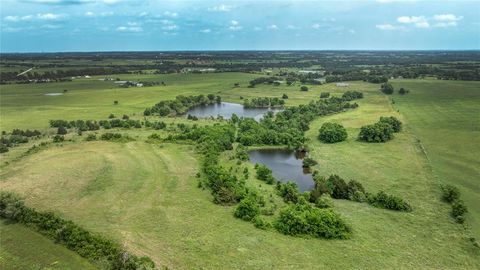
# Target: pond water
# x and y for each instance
(226, 109)
(53, 94)
(286, 165)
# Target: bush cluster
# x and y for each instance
(88, 245)
(381, 131)
(451, 195)
(264, 174)
(338, 188)
(181, 105)
(263, 102)
(332, 133)
(324, 94)
(303, 219)
(288, 191)
(351, 95)
(386, 88)
(110, 136)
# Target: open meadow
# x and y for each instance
(144, 193)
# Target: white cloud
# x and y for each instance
(256, 28)
(386, 27)
(235, 25)
(170, 27)
(221, 8)
(39, 16)
(112, 2)
(89, 14)
(447, 18)
(292, 27)
(107, 13)
(143, 14)
(206, 31)
(132, 29)
(273, 27)
(351, 31)
(170, 14)
(316, 26)
(417, 21)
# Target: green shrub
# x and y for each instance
(324, 94)
(58, 138)
(383, 200)
(324, 201)
(303, 219)
(332, 133)
(91, 137)
(387, 88)
(110, 136)
(289, 191)
(450, 193)
(260, 223)
(61, 130)
(304, 88)
(376, 133)
(393, 121)
(265, 174)
(284, 96)
(458, 210)
(351, 95)
(247, 209)
(309, 162)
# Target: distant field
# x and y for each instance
(146, 196)
(22, 249)
(27, 106)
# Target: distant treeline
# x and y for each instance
(181, 105)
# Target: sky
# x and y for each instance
(157, 25)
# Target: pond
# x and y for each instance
(286, 165)
(226, 109)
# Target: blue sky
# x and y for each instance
(117, 25)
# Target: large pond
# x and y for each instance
(226, 109)
(286, 166)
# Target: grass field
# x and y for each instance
(146, 195)
(22, 249)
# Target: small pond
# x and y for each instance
(226, 109)
(286, 165)
(53, 94)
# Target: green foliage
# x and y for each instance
(351, 95)
(241, 153)
(383, 200)
(247, 209)
(450, 193)
(458, 210)
(61, 130)
(376, 133)
(309, 162)
(303, 219)
(181, 105)
(289, 191)
(284, 96)
(58, 138)
(387, 88)
(86, 244)
(91, 137)
(332, 133)
(392, 121)
(263, 102)
(261, 223)
(324, 201)
(324, 94)
(265, 174)
(110, 136)
(304, 88)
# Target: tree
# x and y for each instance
(324, 94)
(309, 162)
(393, 121)
(247, 209)
(387, 88)
(115, 102)
(265, 174)
(402, 91)
(378, 132)
(304, 88)
(332, 133)
(61, 130)
(284, 96)
(111, 116)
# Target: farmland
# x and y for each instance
(143, 192)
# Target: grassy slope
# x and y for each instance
(445, 117)
(22, 249)
(27, 106)
(146, 196)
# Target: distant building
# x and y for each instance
(343, 85)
